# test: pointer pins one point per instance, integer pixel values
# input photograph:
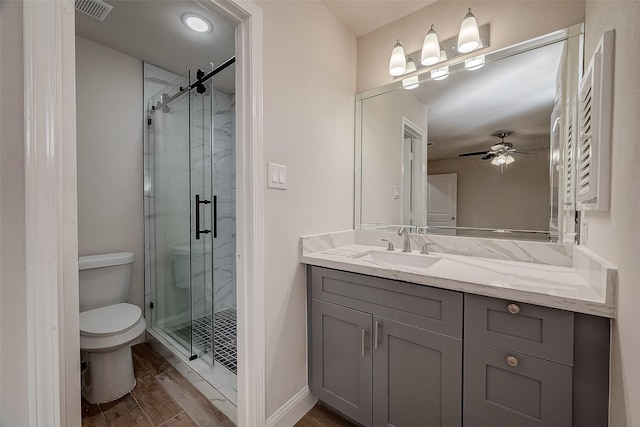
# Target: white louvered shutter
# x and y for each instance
(593, 168)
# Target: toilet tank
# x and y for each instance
(104, 279)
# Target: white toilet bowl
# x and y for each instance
(105, 337)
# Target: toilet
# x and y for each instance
(108, 325)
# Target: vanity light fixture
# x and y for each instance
(430, 48)
(469, 36)
(474, 63)
(197, 23)
(442, 72)
(398, 63)
(410, 82)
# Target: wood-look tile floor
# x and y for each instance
(321, 416)
(163, 397)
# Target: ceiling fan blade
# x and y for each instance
(520, 152)
(476, 153)
(489, 156)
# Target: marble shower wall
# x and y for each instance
(174, 164)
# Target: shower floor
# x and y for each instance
(224, 332)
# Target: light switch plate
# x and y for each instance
(276, 176)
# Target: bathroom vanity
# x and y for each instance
(396, 342)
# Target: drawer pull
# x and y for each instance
(512, 361)
(376, 337)
(513, 308)
(363, 339)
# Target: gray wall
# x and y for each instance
(109, 144)
(13, 327)
(516, 198)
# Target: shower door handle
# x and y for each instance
(215, 216)
(198, 203)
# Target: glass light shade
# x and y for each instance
(469, 36)
(501, 159)
(197, 23)
(509, 160)
(474, 63)
(495, 161)
(442, 72)
(410, 82)
(398, 63)
(430, 48)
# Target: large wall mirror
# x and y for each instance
(485, 152)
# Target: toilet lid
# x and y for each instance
(110, 320)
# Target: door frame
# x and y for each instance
(53, 342)
(417, 174)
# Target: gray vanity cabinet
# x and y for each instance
(373, 360)
(532, 366)
(417, 377)
(389, 353)
(341, 373)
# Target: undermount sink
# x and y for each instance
(406, 259)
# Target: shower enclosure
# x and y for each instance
(190, 223)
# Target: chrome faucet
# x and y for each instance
(406, 246)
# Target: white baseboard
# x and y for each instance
(292, 411)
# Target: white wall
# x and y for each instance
(382, 161)
(516, 198)
(13, 328)
(615, 234)
(309, 88)
(109, 144)
(511, 22)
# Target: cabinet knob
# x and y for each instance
(513, 308)
(512, 361)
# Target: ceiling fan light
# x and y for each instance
(397, 63)
(500, 160)
(469, 36)
(430, 48)
(474, 63)
(509, 160)
(410, 82)
(495, 161)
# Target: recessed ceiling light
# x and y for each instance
(197, 22)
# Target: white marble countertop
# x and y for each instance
(564, 287)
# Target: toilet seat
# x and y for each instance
(106, 328)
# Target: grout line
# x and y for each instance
(176, 416)
(140, 407)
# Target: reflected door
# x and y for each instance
(442, 202)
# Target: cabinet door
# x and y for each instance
(512, 389)
(341, 362)
(417, 377)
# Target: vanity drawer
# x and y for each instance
(538, 331)
(513, 389)
(428, 308)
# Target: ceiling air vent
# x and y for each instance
(94, 8)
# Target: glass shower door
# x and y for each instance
(203, 225)
(182, 203)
